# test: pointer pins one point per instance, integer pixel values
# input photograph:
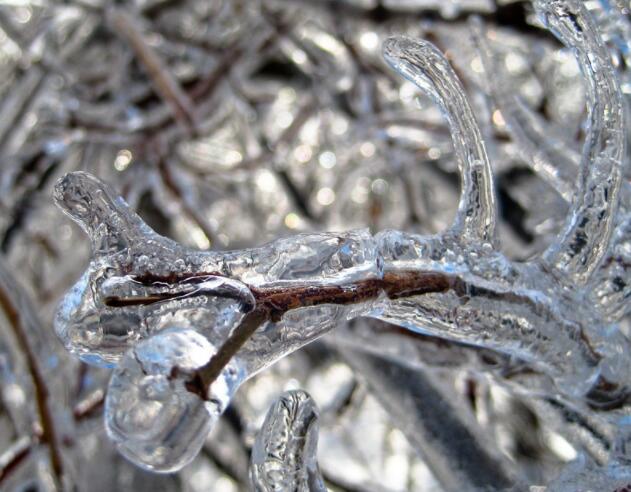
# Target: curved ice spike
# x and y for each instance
(284, 454)
(109, 222)
(155, 420)
(583, 241)
(134, 276)
(424, 65)
(549, 158)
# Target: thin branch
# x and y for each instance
(88, 406)
(187, 208)
(14, 456)
(207, 374)
(273, 302)
(17, 324)
(165, 84)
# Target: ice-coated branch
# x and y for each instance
(284, 454)
(425, 66)
(186, 328)
(105, 217)
(548, 157)
(255, 306)
(32, 340)
(166, 85)
(585, 236)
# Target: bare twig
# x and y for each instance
(14, 456)
(187, 208)
(16, 321)
(165, 84)
(272, 303)
(88, 406)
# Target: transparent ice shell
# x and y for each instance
(156, 421)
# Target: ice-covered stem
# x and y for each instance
(547, 157)
(205, 376)
(149, 283)
(16, 307)
(583, 241)
(284, 454)
(164, 82)
(425, 66)
(272, 303)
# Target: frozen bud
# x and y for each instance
(157, 421)
(284, 455)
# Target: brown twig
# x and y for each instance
(272, 303)
(206, 375)
(16, 323)
(165, 84)
(14, 456)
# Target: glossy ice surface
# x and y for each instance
(151, 415)
(557, 312)
(284, 455)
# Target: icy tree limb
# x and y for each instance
(585, 236)
(422, 63)
(166, 85)
(25, 327)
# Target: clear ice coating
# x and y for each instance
(584, 238)
(284, 454)
(96, 320)
(150, 413)
(425, 66)
(457, 285)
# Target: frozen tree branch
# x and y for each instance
(263, 303)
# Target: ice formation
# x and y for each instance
(284, 455)
(185, 328)
(150, 411)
